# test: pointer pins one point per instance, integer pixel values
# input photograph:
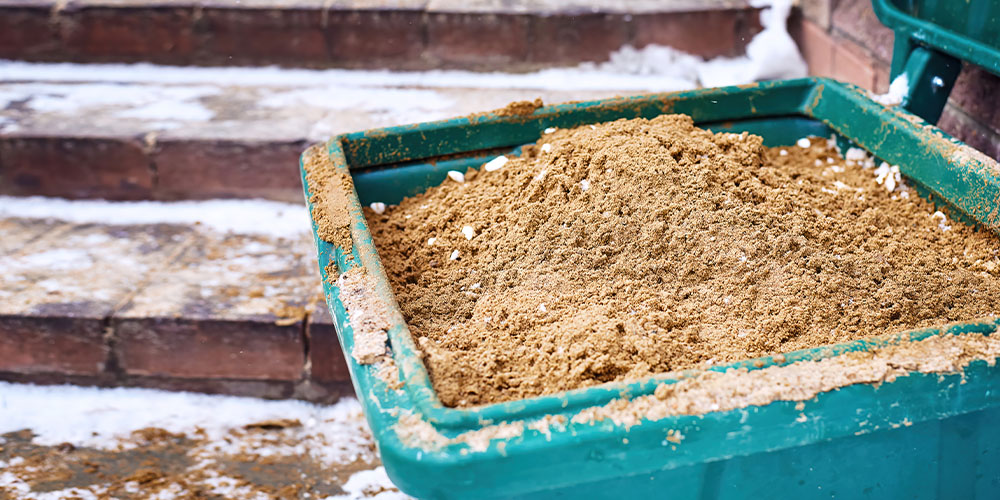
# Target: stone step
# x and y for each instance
(398, 34)
(174, 306)
(159, 132)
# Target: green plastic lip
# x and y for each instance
(845, 109)
(932, 31)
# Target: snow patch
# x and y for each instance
(155, 102)
(771, 55)
(362, 484)
(104, 419)
(283, 220)
(898, 90)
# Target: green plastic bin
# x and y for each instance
(921, 436)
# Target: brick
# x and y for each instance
(263, 36)
(161, 34)
(817, 11)
(54, 378)
(230, 307)
(857, 20)
(68, 341)
(964, 128)
(27, 31)
(881, 77)
(572, 39)
(325, 355)
(371, 38)
(228, 168)
(59, 289)
(853, 64)
(817, 49)
(74, 167)
(707, 34)
(477, 38)
(196, 347)
(976, 92)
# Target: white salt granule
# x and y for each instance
(430, 241)
(378, 207)
(456, 176)
(454, 255)
(855, 154)
(829, 160)
(803, 142)
(475, 286)
(783, 152)
(495, 164)
(881, 173)
(593, 127)
(584, 185)
(888, 176)
(550, 130)
(840, 185)
(818, 163)
(943, 223)
(546, 148)
(469, 232)
(890, 183)
(541, 307)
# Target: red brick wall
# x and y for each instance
(843, 39)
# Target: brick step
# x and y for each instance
(156, 132)
(411, 34)
(171, 306)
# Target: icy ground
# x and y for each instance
(189, 443)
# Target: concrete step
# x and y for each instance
(398, 34)
(168, 305)
(158, 132)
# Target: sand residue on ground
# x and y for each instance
(615, 251)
